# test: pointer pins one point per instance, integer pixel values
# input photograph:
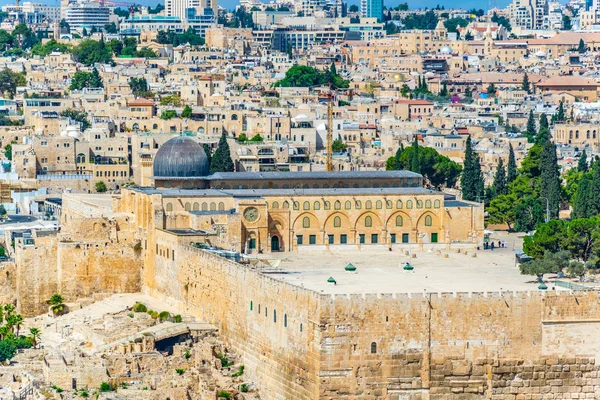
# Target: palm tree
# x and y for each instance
(9, 310)
(35, 335)
(4, 331)
(56, 304)
(17, 322)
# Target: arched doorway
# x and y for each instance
(275, 243)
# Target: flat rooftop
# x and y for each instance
(381, 271)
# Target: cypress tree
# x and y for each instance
(221, 160)
(530, 131)
(581, 206)
(560, 115)
(471, 180)
(594, 192)
(415, 162)
(550, 178)
(525, 84)
(500, 179)
(206, 148)
(582, 165)
(543, 121)
(399, 152)
(511, 173)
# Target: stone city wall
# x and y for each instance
(504, 346)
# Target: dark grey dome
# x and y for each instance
(180, 157)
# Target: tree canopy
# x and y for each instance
(91, 51)
(83, 79)
(304, 76)
(438, 170)
(221, 160)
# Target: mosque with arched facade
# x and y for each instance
(252, 212)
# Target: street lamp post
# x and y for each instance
(547, 209)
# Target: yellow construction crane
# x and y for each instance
(330, 131)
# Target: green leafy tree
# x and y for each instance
(415, 161)
(110, 28)
(171, 100)
(82, 79)
(100, 187)
(187, 112)
(168, 114)
(338, 146)
(528, 213)
(566, 22)
(7, 350)
(77, 116)
(116, 46)
(90, 52)
(9, 81)
(582, 237)
(8, 151)
(139, 86)
(257, 139)
(547, 237)
(502, 210)
(491, 89)
(550, 178)
(353, 8)
(221, 160)
(44, 49)
(500, 179)
(305, 76)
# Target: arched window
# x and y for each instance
(436, 204)
(196, 206)
(368, 221)
(306, 205)
(306, 222)
(399, 221)
(154, 126)
(399, 204)
(409, 204)
(275, 205)
(316, 205)
(388, 204)
(169, 207)
(347, 205)
(419, 203)
(378, 205)
(213, 206)
(373, 348)
(337, 222)
(428, 220)
(427, 203)
(327, 205)
(285, 320)
(296, 205)
(337, 205)
(358, 204)
(234, 117)
(80, 158)
(187, 207)
(221, 206)
(368, 205)
(286, 204)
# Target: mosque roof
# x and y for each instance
(180, 157)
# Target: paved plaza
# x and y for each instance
(382, 271)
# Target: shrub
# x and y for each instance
(58, 389)
(84, 394)
(164, 316)
(105, 387)
(180, 371)
(239, 372)
(177, 318)
(224, 394)
(139, 307)
(131, 315)
(188, 354)
(244, 388)
(224, 361)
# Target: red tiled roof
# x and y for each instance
(140, 102)
(414, 102)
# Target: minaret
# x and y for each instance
(56, 29)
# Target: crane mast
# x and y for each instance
(330, 132)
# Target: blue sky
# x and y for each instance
(412, 4)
